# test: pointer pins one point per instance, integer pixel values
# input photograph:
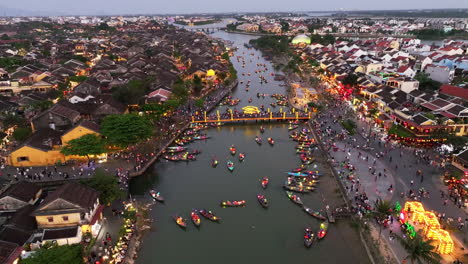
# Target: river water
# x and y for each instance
(250, 234)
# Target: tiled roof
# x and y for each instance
(24, 191)
(74, 193)
(53, 234)
(454, 91)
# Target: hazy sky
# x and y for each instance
(194, 6)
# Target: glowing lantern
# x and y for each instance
(251, 110)
(210, 73)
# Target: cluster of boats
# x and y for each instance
(180, 156)
(195, 217)
(281, 100)
(230, 101)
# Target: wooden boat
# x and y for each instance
(232, 149)
(214, 163)
(241, 156)
(308, 237)
(262, 200)
(230, 165)
(201, 137)
(258, 140)
(292, 127)
(322, 230)
(298, 174)
(195, 218)
(313, 213)
(315, 173)
(297, 189)
(175, 149)
(294, 198)
(302, 181)
(265, 181)
(271, 141)
(157, 196)
(209, 215)
(180, 221)
(172, 158)
(233, 203)
(262, 129)
(299, 169)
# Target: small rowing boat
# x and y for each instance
(308, 237)
(313, 213)
(230, 165)
(258, 140)
(322, 230)
(209, 215)
(298, 189)
(214, 163)
(265, 181)
(232, 149)
(262, 200)
(195, 218)
(262, 129)
(294, 198)
(241, 156)
(180, 221)
(298, 174)
(233, 203)
(157, 196)
(271, 141)
(292, 127)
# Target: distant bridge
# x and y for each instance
(203, 29)
(280, 116)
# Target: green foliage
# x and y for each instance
(42, 105)
(225, 56)
(132, 92)
(14, 120)
(107, 185)
(323, 40)
(80, 58)
(284, 26)
(124, 130)
(426, 83)
(90, 144)
(11, 63)
(350, 126)
(197, 84)
(70, 254)
(438, 34)
(350, 80)
(22, 133)
(103, 26)
(199, 103)
(5, 37)
(278, 45)
(156, 110)
(78, 79)
(180, 91)
(419, 250)
(399, 131)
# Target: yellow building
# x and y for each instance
(43, 147)
(71, 205)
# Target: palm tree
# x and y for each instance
(419, 251)
(382, 209)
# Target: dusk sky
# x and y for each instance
(192, 6)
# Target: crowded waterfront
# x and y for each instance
(247, 233)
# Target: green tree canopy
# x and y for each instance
(419, 251)
(426, 83)
(70, 254)
(22, 133)
(124, 130)
(180, 91)
(90, 144)
(107, 185)
(284, 26)
(130, 93)
(350, 80)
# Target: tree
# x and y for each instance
(70, 254)
(419, 251)
(124, 130)
(426, 83)
(284, 26)
(132, 92)
(200, 103)
(90, 144)
(5, 37)
(22, 133)
(382, 209)
(197, 84)
(107, 185)
(180, 91)
(350, 80)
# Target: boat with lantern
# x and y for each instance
(157, 196)
(265, 181)
(262, 200)
(313, 213)
(292, 127)
(258, 140)
(195, 218)
(308, 237)
(294, 198)
(175, 149)
(233, 203)
(180, 221)
(230, 165)
(298, 189)
(322, 230)
(241, 156)
(271, 141)
(209, 215)
(214, 163)
(262, 129)
(232, 149)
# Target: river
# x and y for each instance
(250, 234)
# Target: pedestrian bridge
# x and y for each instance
(279, 116)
